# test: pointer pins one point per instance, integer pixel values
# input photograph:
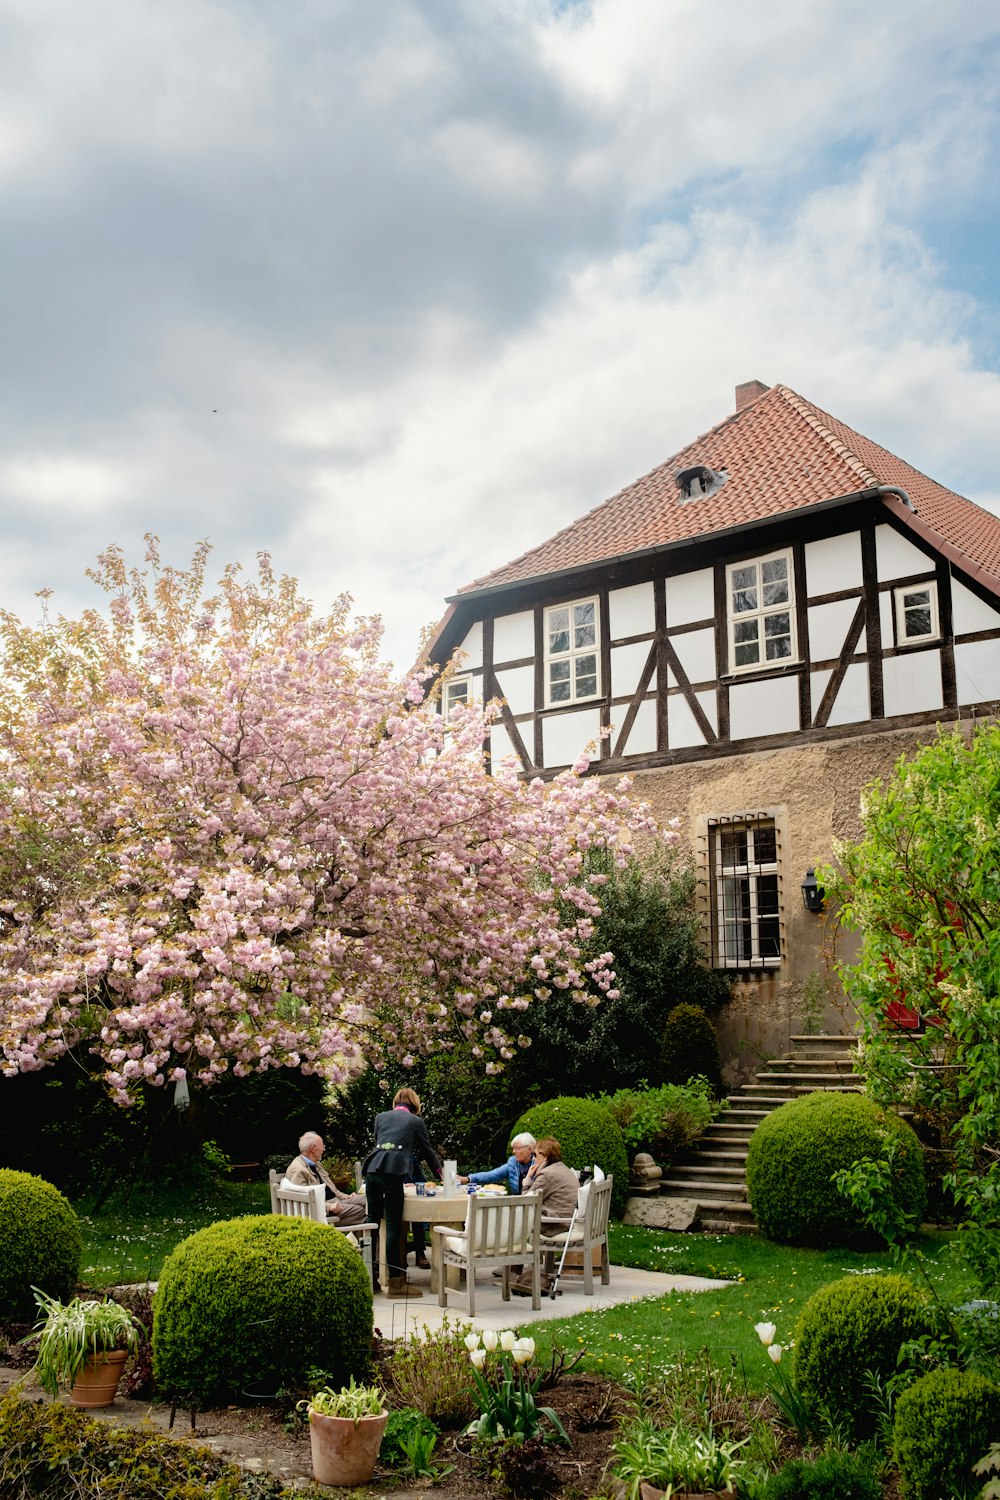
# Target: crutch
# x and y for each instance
(554, 1288)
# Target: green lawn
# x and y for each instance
(128, 1242)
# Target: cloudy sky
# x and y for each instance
(393, 289)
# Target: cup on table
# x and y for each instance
(420, 1189)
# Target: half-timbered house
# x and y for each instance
(757, 628)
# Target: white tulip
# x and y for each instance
(774, 1350)
(507, 1340)
(472, 1341)
(490, 1339)
(478, 1357)
(522, 1351)
(765, 1332)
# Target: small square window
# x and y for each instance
(917, 614)
(571, 658)
(761, 619)
(457, 694)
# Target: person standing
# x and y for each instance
(401, 1140)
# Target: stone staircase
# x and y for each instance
(711, 1176)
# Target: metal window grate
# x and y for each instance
(741, 898)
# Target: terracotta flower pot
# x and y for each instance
(344, 1452)
(650, 1492)
(97, 1383)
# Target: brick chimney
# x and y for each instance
(748, 392)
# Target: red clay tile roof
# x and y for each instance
(781, 453)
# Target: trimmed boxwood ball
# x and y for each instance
(251, 1305)
(853, 1326)
(795, 1151)
(588, 1135)
(944, 1424)
(836, 1475)
(40, 1243)
(690, 1048)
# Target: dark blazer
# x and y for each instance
(400, 1140)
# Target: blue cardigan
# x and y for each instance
(512, 1173)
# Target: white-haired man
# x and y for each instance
(305, 1171)
(513, 1171)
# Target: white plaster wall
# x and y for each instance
(852, 705)
(969, 611)
(696, 654)
(895, 557)
(513, 637)
(682, 726)
(817, 687)
(763, 707)
(627, 663)
(977, 670)
(470, 652)
(517, 685)
(642, 735)
(886, 608)
(566, 734)
(500, 745)
(630, 611)
(690, 597)
(833, 564)
(912, 683)
(828, 627)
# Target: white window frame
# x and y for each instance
(573, 655)
(761, 613)
(899, 598)
(450, 699)
(737, 937)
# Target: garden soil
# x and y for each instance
(256, 1438)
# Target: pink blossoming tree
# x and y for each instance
(230, 838)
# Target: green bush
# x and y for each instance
(794, 1153)
(833, 1476)
(251, 1305)
(942, 1426)
(690, 1048)
(55, 1451)
(588, 1136)
(433, 1375)
(40, 1243)
(846, 1330)
(665, 1120)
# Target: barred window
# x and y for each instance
(745, 892)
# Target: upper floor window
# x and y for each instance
(916, 614)
(456, 693)
(745, 908)
(571, 672)
(761, 612)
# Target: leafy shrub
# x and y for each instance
(943, 1422)
(588, 1135)
(794, 1153)
(846, 1330)
(250, 1305)
(665, 1120)
(434, 1376)
(524, 1470)
(690, 1048)
(55, 1451)
(676, 1456)
(833, 1476)
(40, 1243)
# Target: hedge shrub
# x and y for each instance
(55, 1451)
(943, 1425)
(40, 1243)
(587, 1134)
(690, 1048)
(251, 1305)
(836, 1475)
(795, 1151)
(847, 1329)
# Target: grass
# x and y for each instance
(129, 1240)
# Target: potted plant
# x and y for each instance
(346, 1428)
(674, 1463)
(84, 1343)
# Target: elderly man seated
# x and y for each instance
(305, 1171)
(513, 1171)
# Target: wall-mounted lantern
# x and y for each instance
(813, 894)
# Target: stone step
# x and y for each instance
(823, 1041)
(808, 1064)
(724, 1152)
(704, 1190)
(695, 1170)
(805, 1082)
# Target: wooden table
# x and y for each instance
(425, 1210)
